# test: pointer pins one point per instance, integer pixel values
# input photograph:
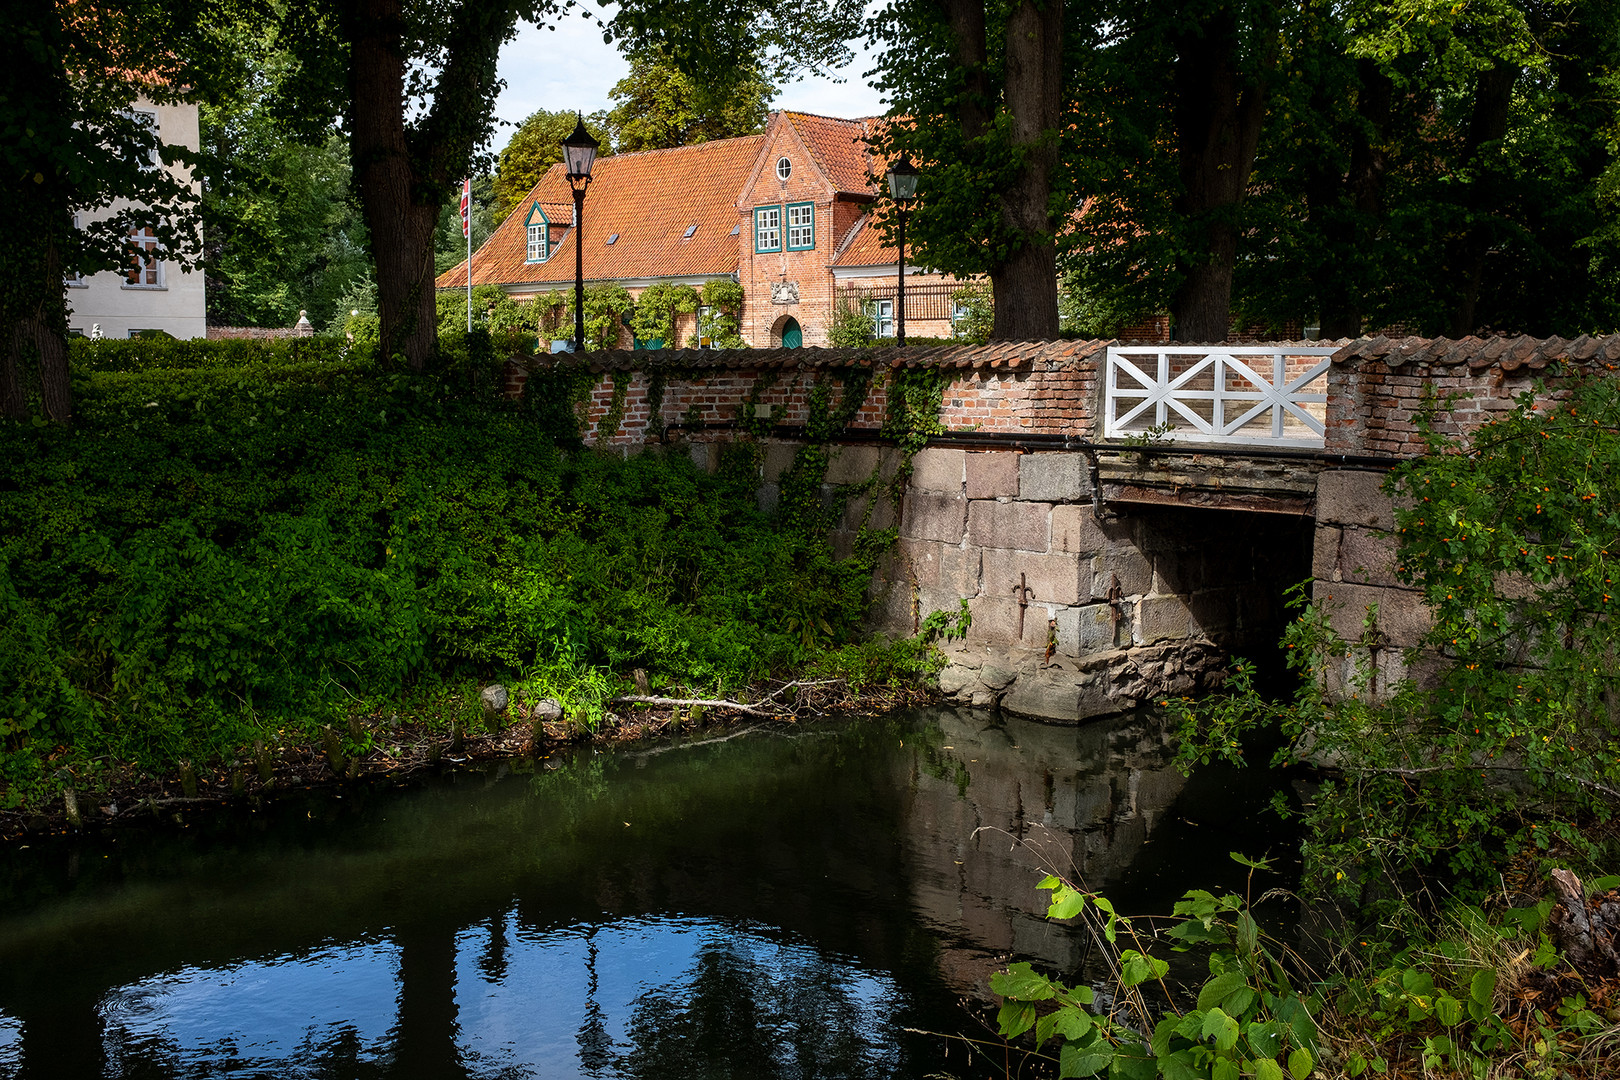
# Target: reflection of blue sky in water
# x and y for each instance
(10, 1045)
(640, 996)
(525, 1000)
(244, 1019)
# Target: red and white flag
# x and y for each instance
(466, 203)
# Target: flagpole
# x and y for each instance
(469, 280)
(466, 228)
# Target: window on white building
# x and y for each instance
(146, 267)
(75, 280)
(148, 120)
(883, 318)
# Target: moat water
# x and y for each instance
(803, 902)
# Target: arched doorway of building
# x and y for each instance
(792, 336)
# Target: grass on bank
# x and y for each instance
(240, 539)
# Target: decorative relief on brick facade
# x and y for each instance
(784, 292)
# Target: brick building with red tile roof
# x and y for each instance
(785, 213)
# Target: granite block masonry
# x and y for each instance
(1098, 575)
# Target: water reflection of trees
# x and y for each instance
(835, 837)
(794, 1017)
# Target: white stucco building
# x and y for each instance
(153, 294)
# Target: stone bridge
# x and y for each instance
(1118, 518)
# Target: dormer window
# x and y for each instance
(784, 168)
(539, 228)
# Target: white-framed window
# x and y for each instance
(767, 228)
(705, 312)
(145, 265)
(883, 317)
(148, 119)
(539, 228)
(75, 280)
(801, 223)
(784, 168)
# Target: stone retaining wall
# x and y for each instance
(1139, 600)
(1130, 606)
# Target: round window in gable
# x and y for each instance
(784, 168)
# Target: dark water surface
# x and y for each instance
(783, 903)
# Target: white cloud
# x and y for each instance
(567, 66)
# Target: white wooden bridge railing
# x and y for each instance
(1255, 395)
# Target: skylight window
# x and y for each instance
(690, 229)
(614, 239)
(735, 229)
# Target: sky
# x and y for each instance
(568, 67)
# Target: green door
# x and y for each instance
(792, 336)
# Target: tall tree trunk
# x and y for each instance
(1218, 115)
(1025, 284)
(55, 390)
(36, 339)
(1352, 204)
(401, 222)
(1493, 99)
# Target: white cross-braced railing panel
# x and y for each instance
(1257, 395)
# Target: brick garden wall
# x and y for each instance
(1042, 388)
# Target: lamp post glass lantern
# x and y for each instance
(579, 154)
(903, 190)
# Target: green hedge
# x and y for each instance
(215, 551)
(146, 354)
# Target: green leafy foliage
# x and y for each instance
(656, 310)
(852, 325)
(1508, 742)
(977, 316)
(226, 545)
(535, 147)
(1249, 1020)
(722, 321)
(658, 106)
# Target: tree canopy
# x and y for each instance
(1445, 169)
(535, 147)
(282, 232)
(658, 106)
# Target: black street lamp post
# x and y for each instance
(579, 154)
(903, 190)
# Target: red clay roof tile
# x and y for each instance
(838, 149)
(650, 199)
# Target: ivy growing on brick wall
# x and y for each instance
(609, 424)
(801, 484)
(723, 326)
(657, 309)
